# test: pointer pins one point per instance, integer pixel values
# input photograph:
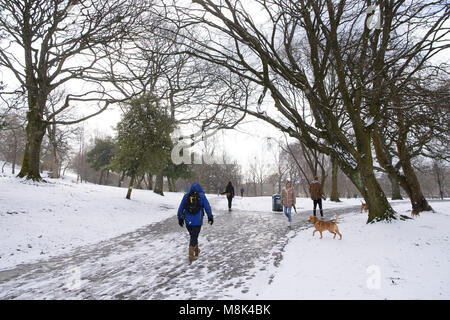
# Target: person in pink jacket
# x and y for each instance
(288, 199)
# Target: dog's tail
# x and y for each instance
(337, 216)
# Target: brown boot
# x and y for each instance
(191, 254)
(196, 250)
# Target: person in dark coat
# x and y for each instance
(242, 192)
(315, 189)
(229, 191)
(194, 221)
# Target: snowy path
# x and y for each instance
(151, 262)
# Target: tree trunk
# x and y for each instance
(439, 180)
(396, 194)
(51, 131)
(364, 179)
(408, 181)
(107, 177)
(159, 184)
(65, 168)
(169, 184)
(172, 185)
(101, 177)
(139, 184)
(418, 201)
(150, 182)
(334, 180)
(130, 188)
(122, 176)
(35, 131)
(368, 186)
(13, 170)
(379, 207)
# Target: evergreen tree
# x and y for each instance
(101, 155)
(143, 141)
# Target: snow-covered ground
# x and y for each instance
(41, 220)
(399, 260)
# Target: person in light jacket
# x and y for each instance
(288, 199)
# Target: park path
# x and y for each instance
(151, 262)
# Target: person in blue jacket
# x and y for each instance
(196, 201)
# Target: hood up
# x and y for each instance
(195, 186)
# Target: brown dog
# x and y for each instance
(321, 225)
(364, 207)
(415, 213)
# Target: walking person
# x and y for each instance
(288, 199)
(316, 191)
(229, 191)
(191, 211)
(242, 192)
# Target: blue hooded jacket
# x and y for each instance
(197, 218)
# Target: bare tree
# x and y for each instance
(440, 172)
(12, 135)
(301, 44)
(59, 136)
(79, 45)
(417, 124)
(308, 161)
(258, 173)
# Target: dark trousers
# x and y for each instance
(318, 202)
(229, 202)
(194, 231)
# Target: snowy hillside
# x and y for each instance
(39, 220)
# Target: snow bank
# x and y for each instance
(39, 220)
(400, 260)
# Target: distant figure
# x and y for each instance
(288, 200)
(315, 189)
(191, 211)
(242, 192)
(229, 191)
